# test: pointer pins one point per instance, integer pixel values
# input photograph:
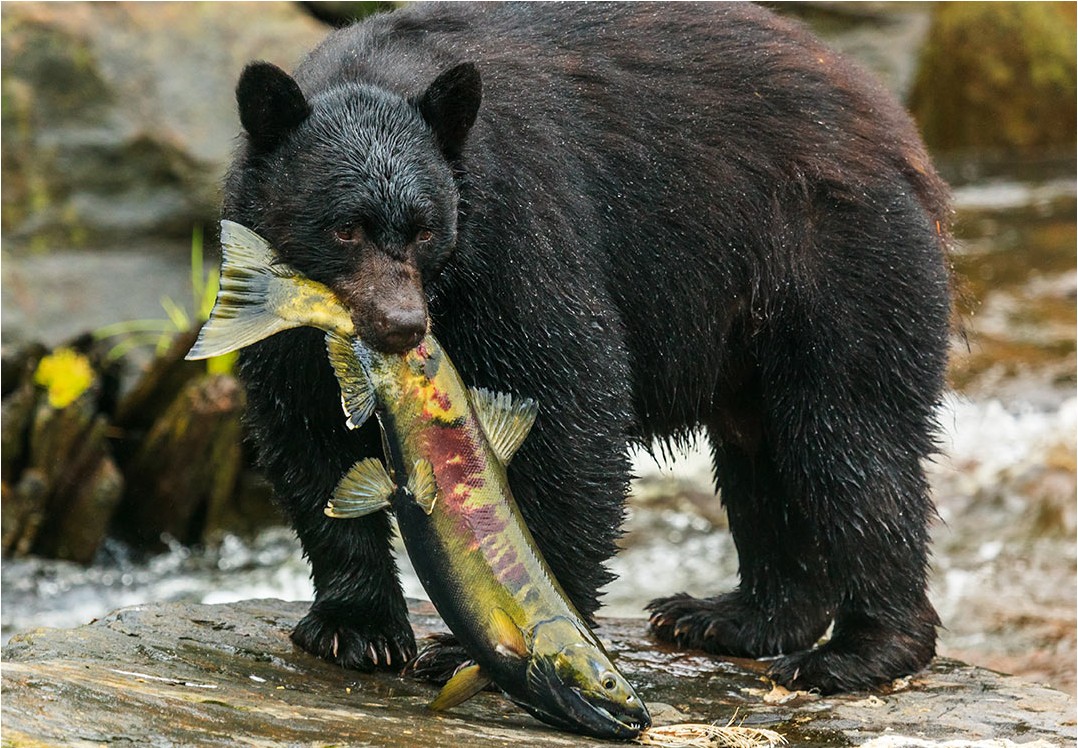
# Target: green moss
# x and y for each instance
(998, 76)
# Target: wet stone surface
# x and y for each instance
(190, 674)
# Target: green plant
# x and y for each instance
(160, 333)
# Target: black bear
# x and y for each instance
(650, 219)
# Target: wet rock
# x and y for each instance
(222, 674)
(119, 118)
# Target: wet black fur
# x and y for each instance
(668, 217)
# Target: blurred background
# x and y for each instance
(124, 475)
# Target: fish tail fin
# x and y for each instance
(250, 287)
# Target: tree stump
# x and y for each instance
(186, 468)
(61, 485)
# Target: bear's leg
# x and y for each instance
(829, 529)
(825, 489)
(784, 602)
(359, 618)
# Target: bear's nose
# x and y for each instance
(399, 330)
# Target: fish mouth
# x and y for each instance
(576, 712)
(630, 721)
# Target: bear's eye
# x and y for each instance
(348, 234)
(424, 236)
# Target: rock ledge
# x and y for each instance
(184, 674)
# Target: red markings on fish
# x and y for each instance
(458, 463)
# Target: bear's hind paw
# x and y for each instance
(829, 669)
(439, 659)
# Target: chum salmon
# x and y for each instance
(446, 449)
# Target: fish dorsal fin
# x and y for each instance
(244, 311)
(423, 485)
(508, 635)
(366, 488)
(505, 421)
(357, 395)
(465, 683)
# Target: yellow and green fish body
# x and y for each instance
(446, 447)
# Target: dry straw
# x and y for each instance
(709, 735)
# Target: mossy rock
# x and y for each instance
(119, 119)
(998, 76)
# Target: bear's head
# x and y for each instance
(354, 187)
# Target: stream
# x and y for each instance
(1003, 574)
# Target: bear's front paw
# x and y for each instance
(356, 647)
(712, 624)
(439, 659)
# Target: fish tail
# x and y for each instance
(251, 287)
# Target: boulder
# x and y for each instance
(998, 77)
(119, 118)
(184, 674)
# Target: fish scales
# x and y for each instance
(471, 504)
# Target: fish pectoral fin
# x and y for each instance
(423, 486)
(464, 684)
(244, 311)
(505, 421)
(365, 489)
(509, 636)
(357, 395)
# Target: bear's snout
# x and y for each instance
(388, 303)
(398, 329)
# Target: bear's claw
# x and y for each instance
(353, 647)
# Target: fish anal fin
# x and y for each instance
(508, 635)
(357, 395)
(465, 683)
(505, 421)
(423, 486)
(365, 489)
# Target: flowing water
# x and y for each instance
(1003, 575)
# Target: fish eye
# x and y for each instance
(609, 682)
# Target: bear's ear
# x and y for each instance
(271, 104)
(450, 104)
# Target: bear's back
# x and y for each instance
(727, 88)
